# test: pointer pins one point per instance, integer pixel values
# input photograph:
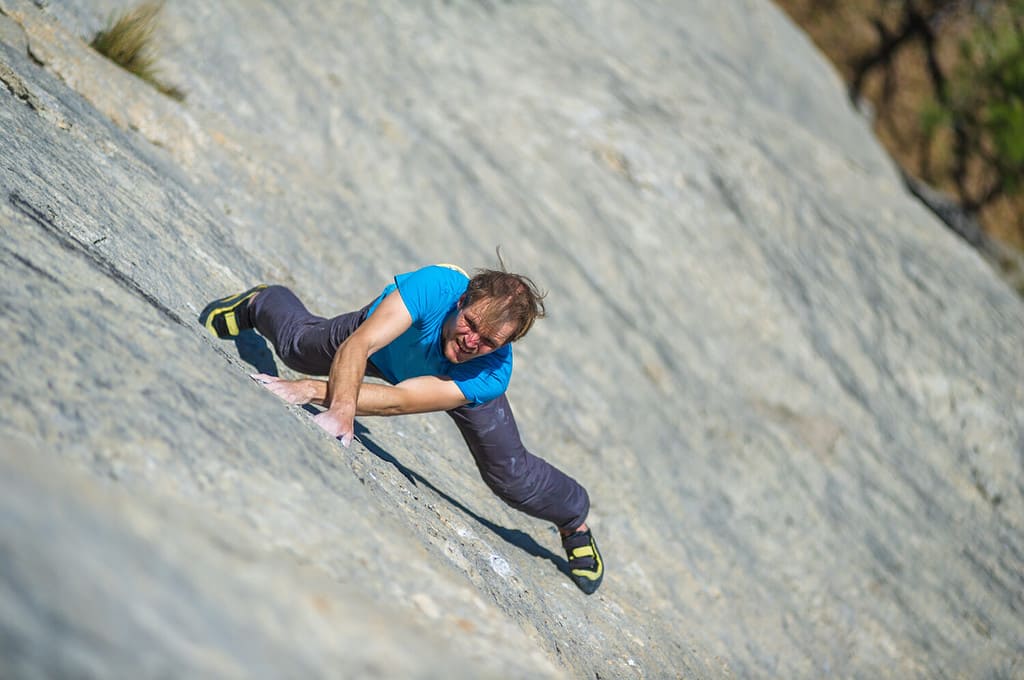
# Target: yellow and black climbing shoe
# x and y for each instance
(586, 568)
(226, 317)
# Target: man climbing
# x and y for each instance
(442, 340)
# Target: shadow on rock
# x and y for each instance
(253, 350)
(519, 539)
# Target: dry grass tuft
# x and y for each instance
(128, 42)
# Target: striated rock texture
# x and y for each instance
(796, 400)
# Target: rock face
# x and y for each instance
(795, 399)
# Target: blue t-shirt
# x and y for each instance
(431, 294)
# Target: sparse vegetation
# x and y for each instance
(128, 42)
(980, 107)
(945, 80)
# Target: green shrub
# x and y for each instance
(982, 104)
(128, 42)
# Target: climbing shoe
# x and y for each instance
(226, 317)
(586, 568)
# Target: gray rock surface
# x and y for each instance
(796, 400)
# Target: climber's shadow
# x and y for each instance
(253, 350)
(518, 538)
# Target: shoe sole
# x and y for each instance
(226, 307)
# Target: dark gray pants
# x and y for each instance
(307, 343)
